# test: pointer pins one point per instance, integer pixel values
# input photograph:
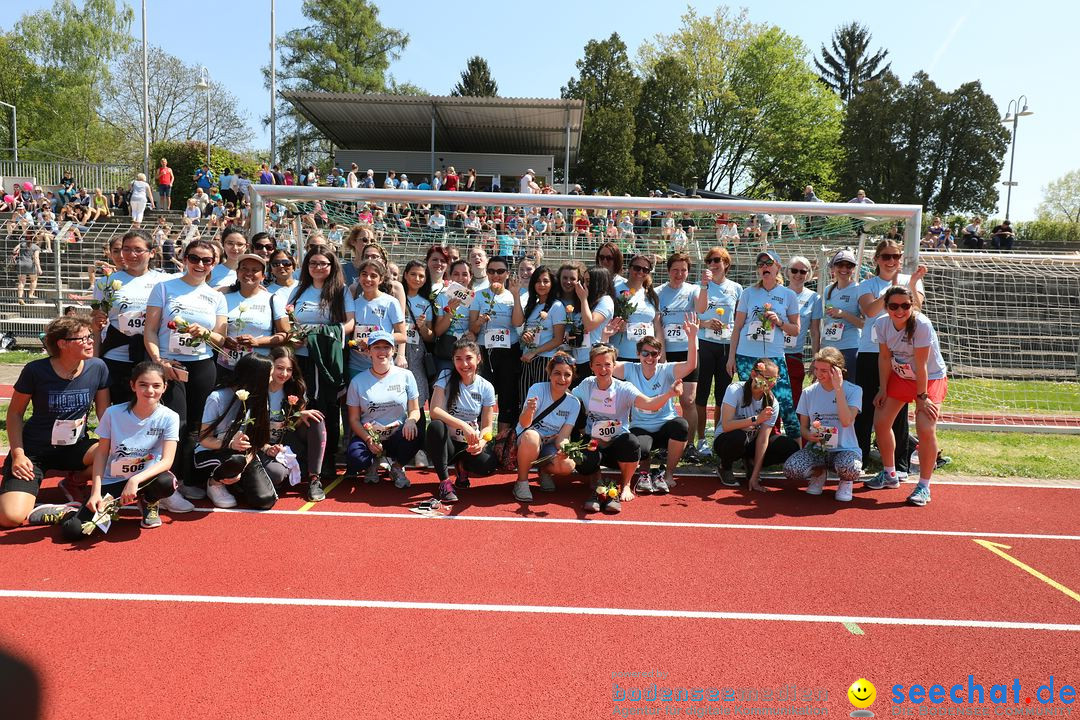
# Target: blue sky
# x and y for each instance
(1012, 48)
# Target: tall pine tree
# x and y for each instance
(848, 66)
(476, 80)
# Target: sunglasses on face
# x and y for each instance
(650, 353)
(199, 260)
(264, 247)
(845, 265)
(890, 256)
(496, 271)
(640, 269)
(766, 262)
(318, 265)
(797, 271)
(899, 306)
(714, 260)
(81, 339)
(762, 381)
(282, 263)
(606, 258)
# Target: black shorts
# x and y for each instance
(678, 357)
(623, 449)
(55, 457)
(164, 190)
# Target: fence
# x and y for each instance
(87, 175)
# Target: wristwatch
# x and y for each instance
(753, 419)
(922, 396)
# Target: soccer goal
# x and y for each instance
(1008, 323)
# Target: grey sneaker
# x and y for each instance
(150, 516)
(643, 484)
(522, 493)
(727, 477)
(612, 507)
(371, 475)
(660, 483)
(176, 503)
(920, 495)
(193, 493)
(592, 505)
(315, 492)
(50, 514)
(882, 481)
(400, 480)
(547, 483)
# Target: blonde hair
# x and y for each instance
(832, 356)
(141, 177)
(809, 266)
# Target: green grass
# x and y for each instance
(1027, 396)
(987, 454)
(20, 357)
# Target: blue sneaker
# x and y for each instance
(882, 480)
(920, 496)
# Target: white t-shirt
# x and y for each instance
(903, 350)
(733, 396)
(499, 331)
(135, 444)
(661, 381)
(250, 316)
(380, 313)
(819, 404)
(128, 309)
(471, 399)
(875, 287)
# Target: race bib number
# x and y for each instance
(363, 332)
(724, 333)
(756, 332)
(456, 291)
(131, 322)
(229, 358)
(789, 342)
(412, 335)
(873, 335)
(459, 435)
(834, 331)
(674, 333)
(126, 467)
(605, 429)
(181, 344)
(636, 331)
(903, 370)
(833, 441)
(602, 402)
(497, 339)
(66, 432)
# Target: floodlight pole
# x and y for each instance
(273, 85)
(14, 128)
(145, 97)
(1013, 105)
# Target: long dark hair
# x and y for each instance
(425, 289)
(427, 276)
(600, 284)
(614, 251)
(578, 267)
(646, 284)
(146, 366)
(534, 299)
(909, 324)
(252, 373)
(380, 268)
(333, 290)
(748, 386)
(295, 384)
(453, 384)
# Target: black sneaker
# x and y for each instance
(446, 492)
(461, 481)
(727, 477)
(942, 461)
(315, 490)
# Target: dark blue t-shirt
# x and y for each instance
(55, 398)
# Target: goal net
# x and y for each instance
(1008, 323)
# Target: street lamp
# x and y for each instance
(1011, 117)
(204, 84)
(14, 128)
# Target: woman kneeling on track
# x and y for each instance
(747, 418)
(234, 442)
(547, 419)
(827, 411)
(384, 414)
(462, 406)
(60, 388)
(911, 368)
(295, 430)
(663, 428)
(607, 404)
(134, 455)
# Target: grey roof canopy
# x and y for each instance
(533, 126)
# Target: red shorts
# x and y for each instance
(905, 390)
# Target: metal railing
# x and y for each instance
(86, 175)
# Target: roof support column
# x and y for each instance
(432, 176)
(566, 158)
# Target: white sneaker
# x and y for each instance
(843, 493)
(817, 485)
(704, 448)
(176, 503)
(220, 495)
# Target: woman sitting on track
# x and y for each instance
(293, 425)
(547, 419)
(747, 418)
(911, 369)
(663, 429)
(234, 442)
(384, 414)
(462, 405)
(135, 454)
(827, 411)
(608, 403)
(61, 388)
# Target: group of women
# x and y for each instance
(239, 380)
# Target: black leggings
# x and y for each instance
(328, 404)
(441, 447)
(309, 444)
(866, 377)
(259, 479)
(188, 400)
(156, 488)
(623, 449)
(676, 429)
(712, 371)
(502, 366)
(734, 444)
(119, 381)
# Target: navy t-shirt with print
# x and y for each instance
(56, 398)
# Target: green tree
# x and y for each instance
(849, 66)
(1061, 199)
(476, 80)
(665, 145)
(607, 84)
(871, 125)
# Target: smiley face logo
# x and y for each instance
(862, 693)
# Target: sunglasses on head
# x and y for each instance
(900, 306)
(562, 360)
(890, 256)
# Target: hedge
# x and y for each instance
(187, 157)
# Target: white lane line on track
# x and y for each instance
(536, 609)
(648, 523)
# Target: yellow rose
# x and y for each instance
(117, 285)
(487, 436)
(719, 311)
(612, 492)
